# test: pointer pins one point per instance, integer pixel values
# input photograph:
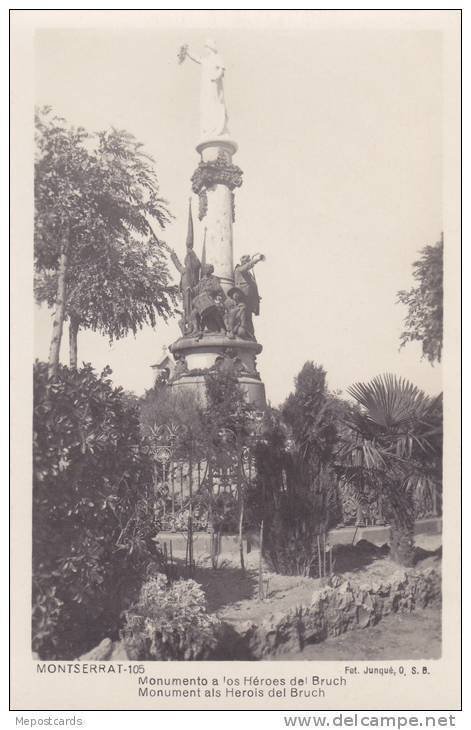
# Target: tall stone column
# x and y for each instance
(214, 181)
(213, 339)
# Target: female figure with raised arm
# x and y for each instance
(213, 112)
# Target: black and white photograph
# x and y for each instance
(240, 238)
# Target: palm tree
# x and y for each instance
(393, 443)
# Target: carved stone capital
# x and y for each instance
(216, 172)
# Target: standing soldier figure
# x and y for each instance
(190, 273)
(208, 298)
(245, 281)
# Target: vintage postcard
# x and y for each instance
(235, 243)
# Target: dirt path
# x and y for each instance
(233, 595)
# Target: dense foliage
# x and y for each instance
(313, 415)
(97, 259)
(182, 411)
(226, 405)
(206, 437)
(92, 525)
(170, 622)
(296, 481)
(424, 302)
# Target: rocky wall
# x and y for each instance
(334, 609)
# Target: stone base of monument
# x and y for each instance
(254, 389)
(217, 350)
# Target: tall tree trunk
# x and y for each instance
(59, 314)
(241, 535)
(241, 512)
(74, 325)
(261, 595)
(402, 533)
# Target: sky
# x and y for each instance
(339, 133)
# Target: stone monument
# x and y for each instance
(219, 299)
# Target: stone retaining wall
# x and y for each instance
(335, 609)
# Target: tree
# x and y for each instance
(310, 412)
(424, 319)
(216, 430)
(228, 421)
(97, 259)
(92, 522)
(296, 480)
(162, 405)
(181, 413)
(391, 444)
(226, 406)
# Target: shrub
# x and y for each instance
(170, 622)
(92, 521)
(296, 498)
(302, 502)
(295, 522)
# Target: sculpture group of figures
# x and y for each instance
(206, 308)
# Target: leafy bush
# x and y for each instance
(92, 522)
(295, 521)
(170, 622)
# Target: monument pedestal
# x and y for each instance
(213, 351)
